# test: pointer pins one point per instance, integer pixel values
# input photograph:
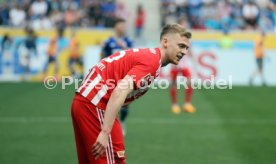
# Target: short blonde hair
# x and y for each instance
(176, 29)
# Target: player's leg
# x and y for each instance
(82, 155)
(116, 148)
(255, 73)
(25, 62)
(71, 66)
(28, 62)
(173, 91)
(80, 63)
(188, 107)
(123, 115)
(45, 69)
(56, 68)
(260, 69)
(86, 120)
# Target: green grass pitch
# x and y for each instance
(235, 126)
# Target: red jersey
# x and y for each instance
(142, 64)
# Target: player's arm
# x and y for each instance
(129, 43)
(117, 98)
(122, 44)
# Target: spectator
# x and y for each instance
(6, 43)
(250, 13)
(139, 21)
(264, 23)
(38, 9)
(169, 13)
(226, 14)
(194, 8)
(108, 10)
(273, 9)
(121, 11)
(56, 18)
(184, 22)
(95, 13)
(236, 16)
(4, 14)
(224, 9)
(55, 5)
(210, 16)
(182, 8)
(43, 14)
(71, 17)
(200, 14)
(41, 23)
(17, 16)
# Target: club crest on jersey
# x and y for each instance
(121, 154)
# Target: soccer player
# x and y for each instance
(29, 51)
(53, 51)
(259, 55)
(183, 68)
(74, 54)
(116, 81)
(113, 44)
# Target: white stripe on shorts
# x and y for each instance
(110, 143)
(107, 150)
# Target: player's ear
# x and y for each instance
(165, 42)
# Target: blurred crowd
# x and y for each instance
(44, 14)
(197, 14)
(222, 14)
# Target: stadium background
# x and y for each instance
(230, 126)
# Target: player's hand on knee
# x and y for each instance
(100, 145)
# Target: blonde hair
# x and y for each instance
(176, 29)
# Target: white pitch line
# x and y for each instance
(204, 121)
(34, 119)
(194, 121)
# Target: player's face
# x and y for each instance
(120, 28)
(177, 47)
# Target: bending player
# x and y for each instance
(116, 81)
(113, 44)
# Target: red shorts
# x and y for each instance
(87, 122)
(183, 71)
